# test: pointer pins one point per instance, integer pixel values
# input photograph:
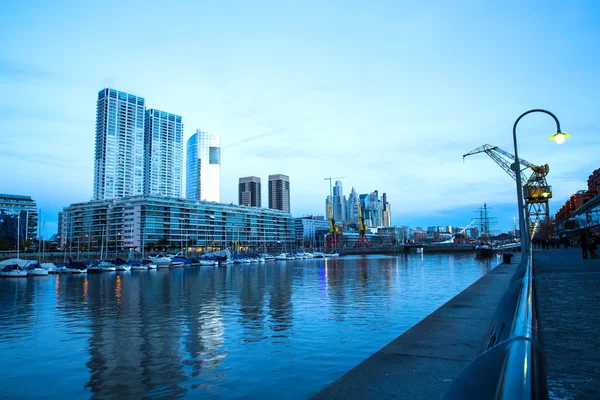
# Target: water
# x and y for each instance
(274, 330)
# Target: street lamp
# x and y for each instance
(559, 137)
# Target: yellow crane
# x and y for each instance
(536, 190)
(362, 241)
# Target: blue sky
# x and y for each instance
(390, 94)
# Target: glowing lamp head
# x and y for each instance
(559, 137)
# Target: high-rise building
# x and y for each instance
(386, 214)
(203, 171)
(372, 209)
(339, 203)
(352, 205)
(163, 139)
(18, 218)
(249, 191)
(279, 192)
(119, 154)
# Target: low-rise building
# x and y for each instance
(133, 222)
(311, 230)
(18, 218)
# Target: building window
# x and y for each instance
(214, 155)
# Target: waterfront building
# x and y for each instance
(311, 230)
(582, 209)
(279, 192)
(132, 222)
(473, 233)
(352, 205)
(60, 225)
(18, 218)
(203, 170)
(163, 138)
(249, 191)
(372, 209)
(419, 235)
(340, 213)
(119, 149)
(386, 213)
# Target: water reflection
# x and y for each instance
(278, 329)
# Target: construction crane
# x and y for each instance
(333, 238)
(362, 241)
(536, 190)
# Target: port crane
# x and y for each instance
(333, 238)
(362, 241)
(536, 190)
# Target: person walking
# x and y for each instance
(584, 244)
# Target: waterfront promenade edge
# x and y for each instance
(424, 361)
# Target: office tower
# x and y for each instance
(386, 212)
(279, 192)
(352, 205)
(203, 171)
(119, 155)
(339, 203)
(163, 138)
(249, 191)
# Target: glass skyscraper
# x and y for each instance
(203, 171)
(119, 156)
(163, 153)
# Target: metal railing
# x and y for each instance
(513, 365)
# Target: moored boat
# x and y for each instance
(34, 269)
(13, 271)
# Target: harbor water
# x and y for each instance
(282, 329)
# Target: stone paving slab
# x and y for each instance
(568, 292)
(423, 361)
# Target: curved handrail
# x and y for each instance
(514, 366)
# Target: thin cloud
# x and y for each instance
(20, 71)
(250, 139)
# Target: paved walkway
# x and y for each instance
(568, 290)
(423, 361)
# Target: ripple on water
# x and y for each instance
(267, 330)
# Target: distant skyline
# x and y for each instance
(389, 94)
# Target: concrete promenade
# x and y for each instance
(568, 289)
(423, 361)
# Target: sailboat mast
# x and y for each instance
(18, 234)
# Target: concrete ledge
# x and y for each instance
(423, 361)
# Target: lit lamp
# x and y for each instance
(559, 137)
(542, 193)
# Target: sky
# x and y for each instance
(390, 94)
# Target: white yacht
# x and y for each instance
(161, 261)
(50, 267)
(34, 269)
(123, 267)
(318, 254)
(268, 257)
(107, 266)
(282, 256)
(140, 267)
(13, 271)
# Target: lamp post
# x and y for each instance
(559, 138)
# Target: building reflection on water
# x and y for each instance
(173, 333)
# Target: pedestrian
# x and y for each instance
(593, 245)
(584, 244)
